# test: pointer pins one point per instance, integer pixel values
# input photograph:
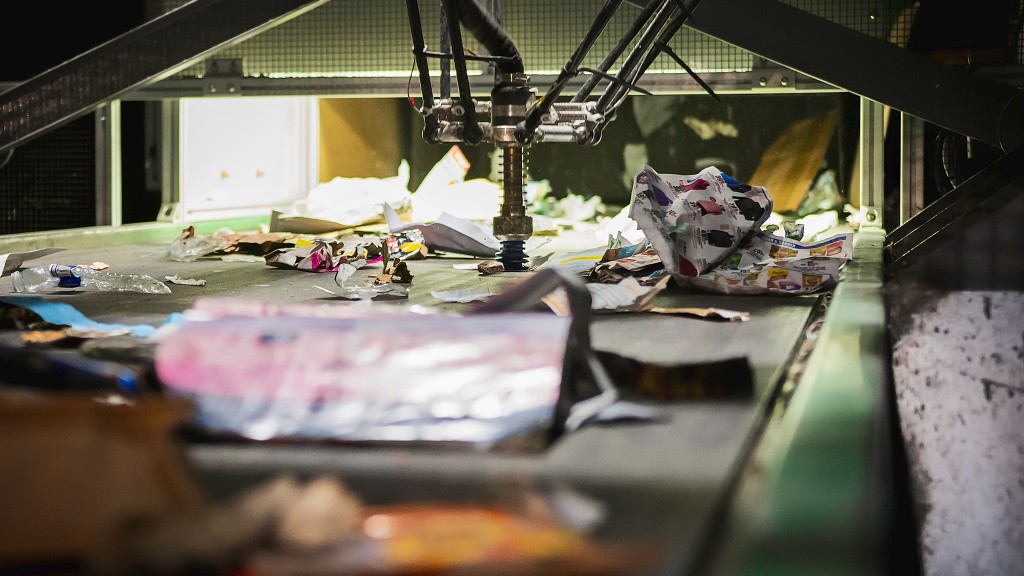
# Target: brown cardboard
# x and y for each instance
(74, 468)
(788, 167)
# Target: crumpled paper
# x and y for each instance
(706, 229)
(696, 221)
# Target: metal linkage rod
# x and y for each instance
(634, 62)
(473, 134)
(661, 45)
(606, 64)
(489, 33)
(418, 50)
(664, 47)
(445, 47)
(571, 69)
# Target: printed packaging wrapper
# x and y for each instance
(765, 248)
(769, 263)
(761, 280)
(696, 221)
(477, 380)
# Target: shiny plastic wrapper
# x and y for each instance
(369, 377)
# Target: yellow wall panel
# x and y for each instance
(361, 137)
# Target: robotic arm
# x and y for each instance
(514, 118)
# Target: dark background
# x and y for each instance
(48, 182)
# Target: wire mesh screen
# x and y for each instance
(49, 183)
(371, 38)
(340, 38)
(875, 18)
(547, 33)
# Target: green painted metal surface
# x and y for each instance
(813, 498)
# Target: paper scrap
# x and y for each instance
(705, 313)
(244, 258)
(580, 262)
(369, 291)
(344, 203)
(462, 296)
(449, 234)
(346, 270)
(12, 261)
(185, 281)
(626, 296)
(622, 410)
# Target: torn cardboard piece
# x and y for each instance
(61, 314)
(490, 267)
(305, 224)
(321, 255)
(69, 335)
(791, 162)
(728, 378)
(189, 247)
(106, 465)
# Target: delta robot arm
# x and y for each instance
(514, 117)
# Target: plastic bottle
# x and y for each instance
(58, 277)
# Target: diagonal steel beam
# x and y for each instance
(997, 184)
(153, 51)
(947, 96)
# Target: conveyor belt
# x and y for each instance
(660, 480)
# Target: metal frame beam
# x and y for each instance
(911, 166)
(151, 52)
(1000, 182)
(872, 165)
(108, 164)
(944, 95)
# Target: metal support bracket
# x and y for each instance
(872, 171)
(768, 75)
(223, 77)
